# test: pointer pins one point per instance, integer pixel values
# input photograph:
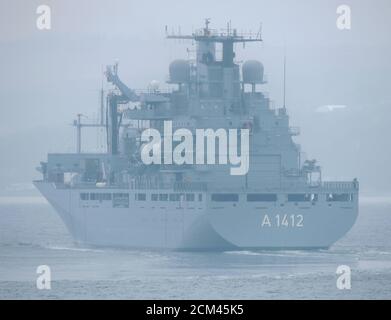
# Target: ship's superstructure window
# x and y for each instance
(84, 196)
(302, 197)
(261, 197)
(121, 200)
(100, 196)
(91, 173)
(163, 197)
(175, 197)
(200, 197)
(106, 196)
(140, 197)
(190, 197)
(225, 197)
(339, 197)
(154, 197)
(94, 196)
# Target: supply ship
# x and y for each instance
(115, 199)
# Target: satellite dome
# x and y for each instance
(252, 71)
(154, 85)
(179, 71)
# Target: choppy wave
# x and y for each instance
(32, 234)
(244, 252)
(280, 253)
(77, 249)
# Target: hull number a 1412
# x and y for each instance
(283, 221)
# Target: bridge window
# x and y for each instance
(225, 197)
(200, 197)
(339, 197)
(154, 197)
(302, 197)
(261, 197)
(121, 200)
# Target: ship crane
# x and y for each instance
(114, 118)
(112, 77)
(112, 100)
(127, 94)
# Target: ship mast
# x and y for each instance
(227, 37)
(284, 98)
(226, 85)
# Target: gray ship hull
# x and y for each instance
(201, 225)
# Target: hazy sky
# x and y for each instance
(49, 76)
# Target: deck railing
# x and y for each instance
(343, 185)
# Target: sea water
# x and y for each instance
(31, 234)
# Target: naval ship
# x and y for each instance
(115, 199)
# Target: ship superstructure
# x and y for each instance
(115, 199)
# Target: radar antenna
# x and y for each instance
(227, 37)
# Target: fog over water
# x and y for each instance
(47, 77)
(337, 92)
(32, 234)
